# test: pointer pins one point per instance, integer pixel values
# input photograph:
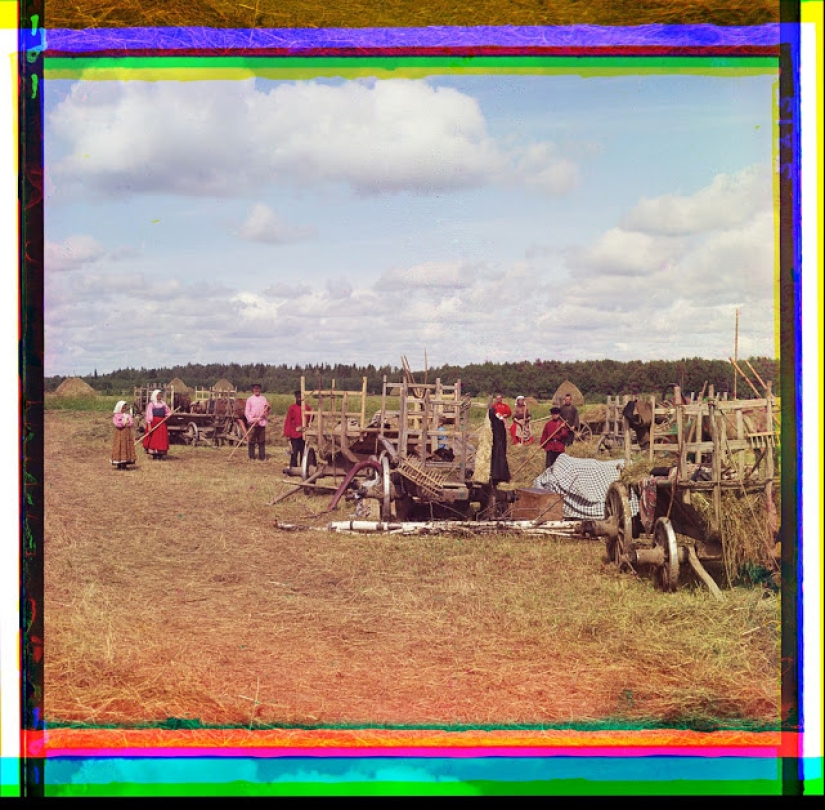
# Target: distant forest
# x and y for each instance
(596, 379)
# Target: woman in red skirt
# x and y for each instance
(156, 438)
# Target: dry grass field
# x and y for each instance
(169, 593)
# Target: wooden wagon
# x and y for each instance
(203, 416)
(714, 446)
(413, 455)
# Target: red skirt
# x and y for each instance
(157, 440)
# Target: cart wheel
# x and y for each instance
(386, 484)
(309, 462)
(584, 433)
(190, 435)
(667, 575)
(617, 505)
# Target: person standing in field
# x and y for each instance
(553, 436)
(294, 430)
(499, 469)
(123, 445)
(156, 438)
(570, 414)
(520, 429)
(256, 411)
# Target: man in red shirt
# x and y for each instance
(294, 430)
(553, 436)
(501, 407)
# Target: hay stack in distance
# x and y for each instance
(75, 387)
(568, 388)
(179, 386)
(223, 385)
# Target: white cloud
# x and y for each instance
(729, 201)
(233, 139)
(626, 253)
(71, 254)
(265, 225)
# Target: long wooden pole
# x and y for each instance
(745, 377)
(736, 349)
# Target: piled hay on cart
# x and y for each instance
(568, 388)
(75, 387)
(748, 536)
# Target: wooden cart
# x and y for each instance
(205, 416)
(718, 445)
(412, 455)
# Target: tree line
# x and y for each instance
(596, 379)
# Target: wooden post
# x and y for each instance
(736, 350)
(716, 465)
(769, 450)
(652, 426)
(363, 403)
(680, 432)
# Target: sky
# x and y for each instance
(470, 218)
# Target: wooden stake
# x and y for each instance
(155, 427)
(736, 349)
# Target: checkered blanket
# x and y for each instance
(583, 482)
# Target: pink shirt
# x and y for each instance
(149, 408)
(255, 410)
(122, 420)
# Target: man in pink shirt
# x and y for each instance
(256, 411)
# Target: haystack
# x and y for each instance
(179, 386)
(223, 385)
(568, 388)
(75, 387)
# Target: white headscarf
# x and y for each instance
(518, 398)
(119, 406)
(155, 395)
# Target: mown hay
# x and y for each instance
(747, 540)
(223, 385)
(568, 388)
(75, 387)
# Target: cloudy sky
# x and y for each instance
(472, 217)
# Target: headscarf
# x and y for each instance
(119, 406)
(519, 397)
(155, 395)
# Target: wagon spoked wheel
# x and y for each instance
(617, 508)
(667, 575)
(386, 489)
(190, 435)
(583, 433)
(309, 462)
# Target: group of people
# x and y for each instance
(156, 437)
(557, 435)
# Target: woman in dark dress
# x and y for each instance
(499, 469)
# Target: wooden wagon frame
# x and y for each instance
(718, 445)
(200, 416)
(416, 457)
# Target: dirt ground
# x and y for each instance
(170, 593)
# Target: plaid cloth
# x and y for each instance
(583, 483)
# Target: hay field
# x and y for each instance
(170, 594)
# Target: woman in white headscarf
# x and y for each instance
(123, 445)
(156, 438)
(520, 429)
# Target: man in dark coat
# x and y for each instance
(570, 414)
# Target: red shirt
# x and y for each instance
(503, 408)
(559, 431)
(293, 421)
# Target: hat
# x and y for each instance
(555, 410)
(297, 393)
(256, 385)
